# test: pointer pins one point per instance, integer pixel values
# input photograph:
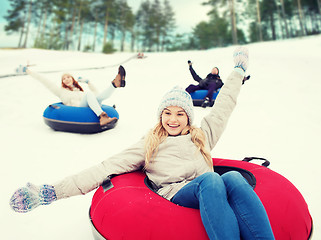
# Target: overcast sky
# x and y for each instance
(187, 15)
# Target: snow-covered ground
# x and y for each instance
(278, 117)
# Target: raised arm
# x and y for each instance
(215, 122)
(128, 160)
(27, 198)
(46, 82)
(194, 75)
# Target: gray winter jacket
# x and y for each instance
(177, 162)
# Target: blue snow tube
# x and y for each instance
(199, 95)
(77, 119)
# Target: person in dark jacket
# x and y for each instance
(212, 82)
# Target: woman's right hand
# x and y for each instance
(241, 58)
(28, 198)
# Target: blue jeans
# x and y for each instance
(229, 207)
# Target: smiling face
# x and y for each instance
(67, 80)
(174, 120)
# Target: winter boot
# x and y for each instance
(104, 119)
(245, 79)
(119, 80)
(206, 103)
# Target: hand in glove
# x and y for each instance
(28, 198)
(21, 69)
(82, 80)
(241, 58)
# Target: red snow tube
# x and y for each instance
(126, 208)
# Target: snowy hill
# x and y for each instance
(278, 117)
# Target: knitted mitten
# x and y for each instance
(21, 69)
(27, 198)
(83, 80)
(241, 58)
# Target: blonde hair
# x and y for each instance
(158, 134)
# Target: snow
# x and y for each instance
(278, 117)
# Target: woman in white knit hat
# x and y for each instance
(175, 156)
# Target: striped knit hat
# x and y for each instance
(180, 98)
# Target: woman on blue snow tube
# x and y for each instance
(211, 83)
(207, 89)
(72, 94)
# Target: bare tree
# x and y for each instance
(259, 24)
(231, 10)
(233, 21)
(284, 18)
(301, 18)
(28, 24)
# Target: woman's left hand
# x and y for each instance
(21, 69)
(82, 80)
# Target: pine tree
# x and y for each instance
(168, 18)
(16, 18)
(231, 10)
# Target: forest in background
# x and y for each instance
(111, 25)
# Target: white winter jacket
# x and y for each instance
(177, 162)
(67, 97)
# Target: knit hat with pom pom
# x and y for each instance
(180, 98)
